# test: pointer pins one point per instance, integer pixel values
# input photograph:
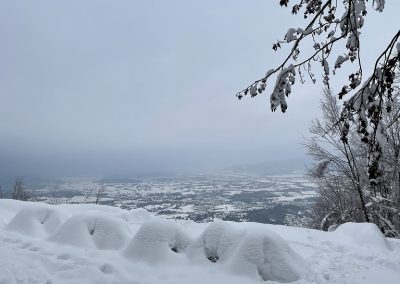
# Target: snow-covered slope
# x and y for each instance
(41, 243)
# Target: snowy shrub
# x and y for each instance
(267, 254)
(257, 254)
(157, 240)
(36, 221)
(93, 230)
(217, 241)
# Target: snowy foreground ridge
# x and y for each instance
(45, 244)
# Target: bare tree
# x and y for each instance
(19, 190)
(86, 196)
(1, 193)
(100, 193)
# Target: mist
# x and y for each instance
(103, 88)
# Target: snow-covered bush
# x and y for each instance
(267, 254)
(257, 254)
(36, 221)
(156, 241)
(93, 230)
(217, 241)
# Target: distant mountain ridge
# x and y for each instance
(273, 167)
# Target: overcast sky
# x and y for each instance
(113, 87)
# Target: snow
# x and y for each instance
(366, 236)
(157, 241)
(36, 221)
(226, 207)
(259, 255)
(137, 216)
(270, 256)
(93, 230)
(187, 208)
(42, 243)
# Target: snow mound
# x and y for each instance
(268, 255)
(36, 221)
(216, 242)
(93, 230)
(138, 216)
(9, 208)
(258, 254)
(365, 235)
(157, 240)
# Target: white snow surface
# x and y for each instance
(50, 244)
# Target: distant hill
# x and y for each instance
(273, 167)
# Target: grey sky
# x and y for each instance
(124, 86)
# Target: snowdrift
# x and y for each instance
(42, 243)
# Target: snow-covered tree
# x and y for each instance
(340, 171)
(330, 23)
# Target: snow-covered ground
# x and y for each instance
(41, 243)
(234, 196)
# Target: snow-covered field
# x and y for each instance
(41, 243)
(279, 199)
